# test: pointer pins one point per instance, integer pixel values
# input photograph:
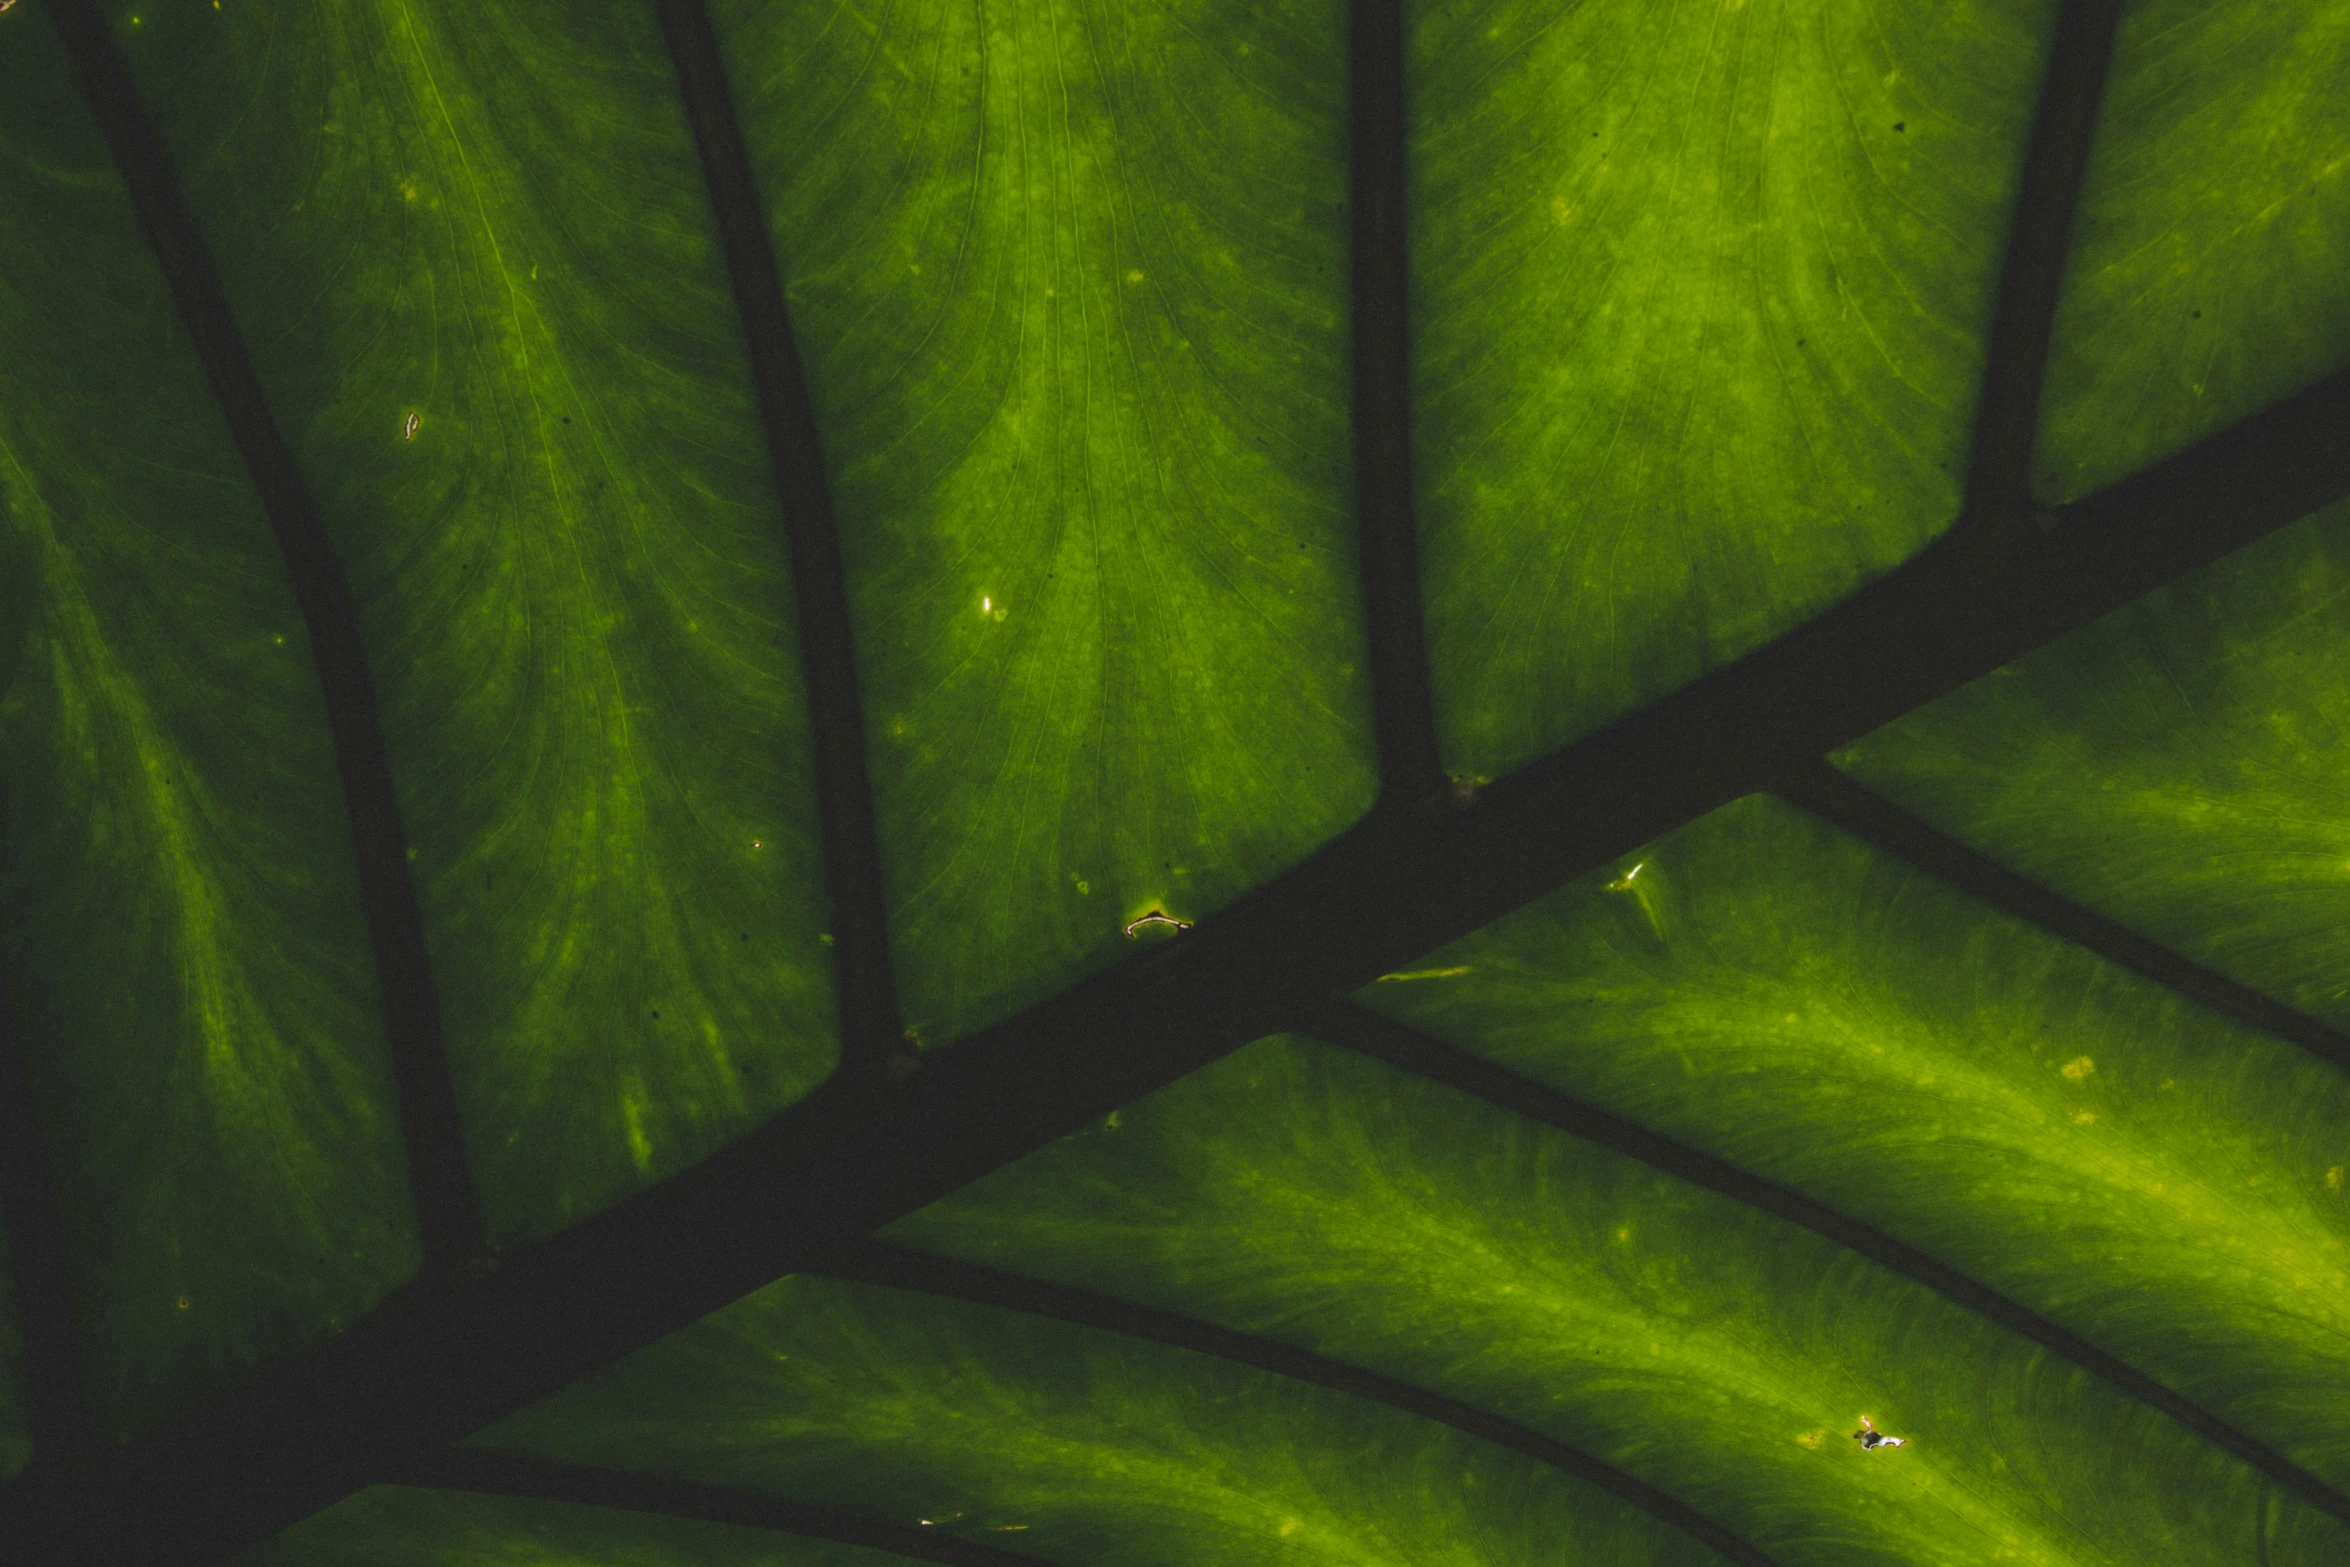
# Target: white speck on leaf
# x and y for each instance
(1154, 917)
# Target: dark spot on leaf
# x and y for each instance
(2198, 315)
(656, 1014)
(567, 418)
(1901, 125)
(746, 935)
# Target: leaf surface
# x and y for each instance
(1714, 1351)
(471, 252)
(2178, 766)
(1070, 284)
(1698, 305)
(1064, 1442)
(1700, 298)
(2205, 280)
(179, 920)
(2161, 1181)
(397, 1526)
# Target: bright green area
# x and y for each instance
(1700, 299)
(2206, 278)
(2164, 1182)
(1068, 1443)
(1700, 304)
(16, 1439)
(1069, 277)
(488, 218)
(1723, 1355)
(397, 1526)
(2178, 766)
(179, 924)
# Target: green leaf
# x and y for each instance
(2177, 766)
(2205, 278)
(1070, 1444)
(398, 1526)
(1070, 284)
(2164, 1183)
(1699, 308)
(183, 941)
(1708, 1348)
(568, 567)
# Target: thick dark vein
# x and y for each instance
(1820, 789)
(433, 1365)
(877, 1262)
(2007, 417)
(871, 1032)
(1409, 769)
(56, 1411)
(1408, 1050)
(501, 1474)
(443, 1188)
